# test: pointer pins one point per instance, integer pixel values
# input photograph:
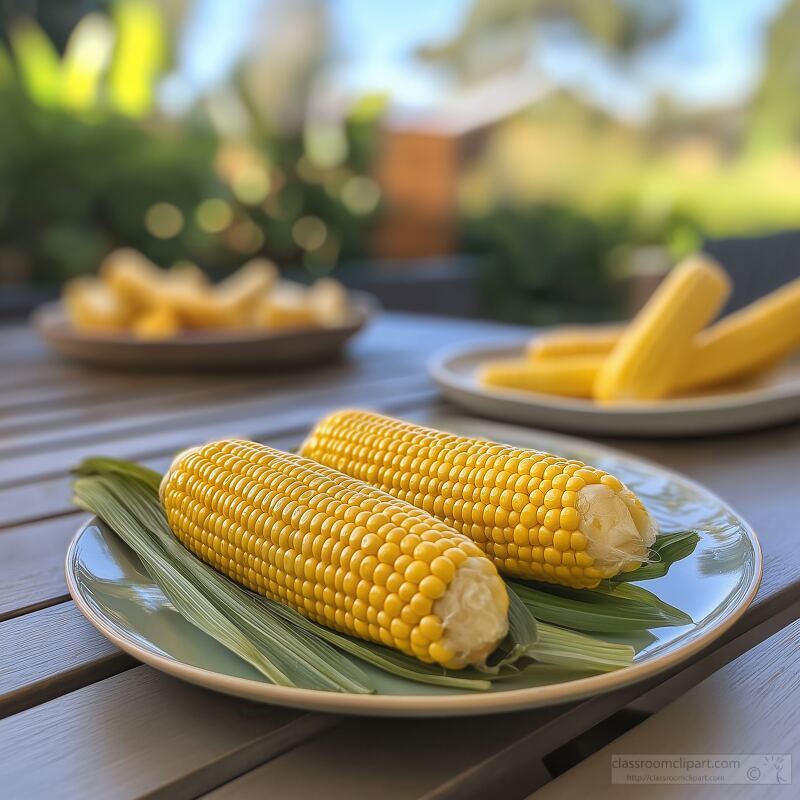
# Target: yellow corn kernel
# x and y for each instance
(594, 518)
(648, 359)
(259, 516)
(572, 377)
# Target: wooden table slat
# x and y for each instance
(30, 427)
(262, 416)
(198, 406)
(89, 390)
(752, 705)
(399, 760)
(142, 733)
(55, 651)
(32, 564)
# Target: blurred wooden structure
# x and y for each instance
(421, 159)
(418, 173)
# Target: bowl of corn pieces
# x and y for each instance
(673, 370)
(135, 314)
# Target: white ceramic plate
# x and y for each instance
(714, 586)
(772, 399)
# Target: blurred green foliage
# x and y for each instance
(87, 164)
(546, 263)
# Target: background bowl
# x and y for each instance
(202, 349)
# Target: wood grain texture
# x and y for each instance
(157, 400)
(750, 706)
(141, 733)
(32, 564)
(370, 758)
(55, 651)
(264, 416)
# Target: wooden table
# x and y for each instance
(82, 720)
(749, 706)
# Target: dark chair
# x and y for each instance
(757, 265)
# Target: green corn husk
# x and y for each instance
(290, 650)
(615, 608)
(668, 548)
(563, 648)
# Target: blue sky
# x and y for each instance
(714, 58)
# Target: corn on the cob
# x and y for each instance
(746, 341)
(577, 340)
(572, 376)
(536, 515)
(340, 552)
(648, 359)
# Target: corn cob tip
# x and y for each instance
(474, 613)
(618, 529)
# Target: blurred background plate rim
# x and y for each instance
(462, 704)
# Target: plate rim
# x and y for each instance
(445, 377)
(462, 704)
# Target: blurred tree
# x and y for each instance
(775, 112)
(503, 30)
